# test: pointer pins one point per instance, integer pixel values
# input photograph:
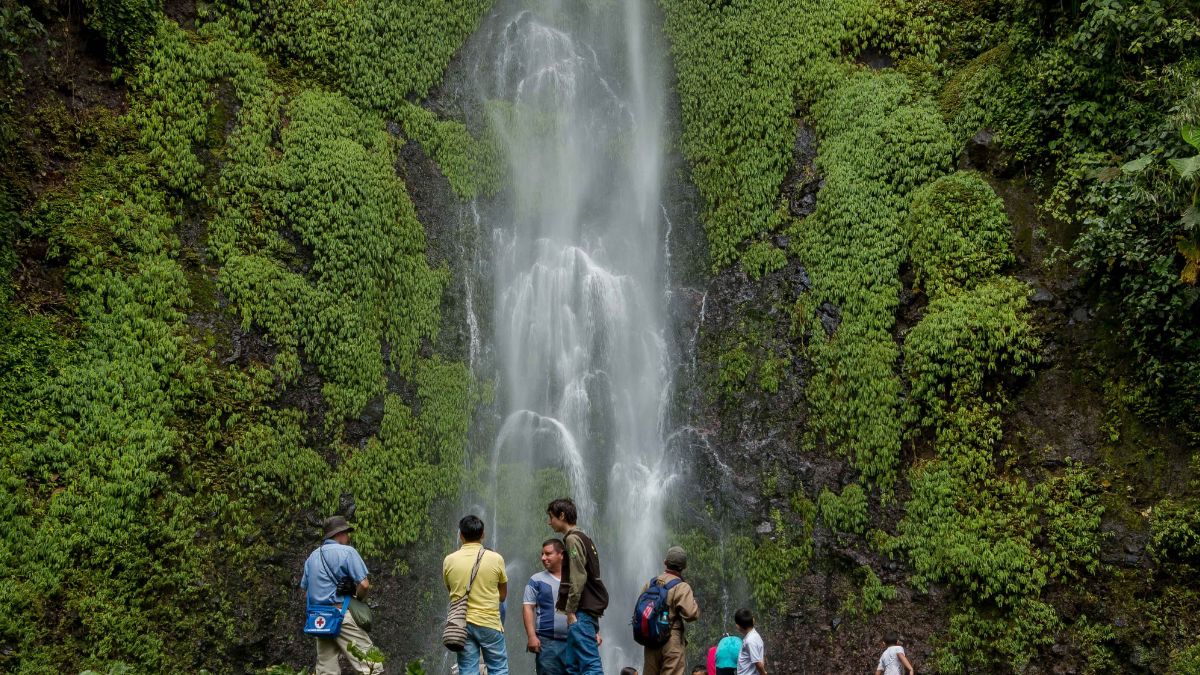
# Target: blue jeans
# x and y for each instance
(583, 654)
(552, 659)
(486, 641)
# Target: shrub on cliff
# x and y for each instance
(958, 233)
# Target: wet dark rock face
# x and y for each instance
(802, 183)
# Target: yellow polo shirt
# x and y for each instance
(483, 607)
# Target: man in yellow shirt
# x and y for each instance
(485, 631)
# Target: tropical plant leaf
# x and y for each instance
(1187, 167)
(1191, 134)
(1137, 165)
(1191, 217)
(1190, 249)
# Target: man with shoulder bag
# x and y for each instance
(478, 585)
(336, 586)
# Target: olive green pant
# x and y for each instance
(328, 648)
(671, 659)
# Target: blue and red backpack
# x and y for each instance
(651, 615)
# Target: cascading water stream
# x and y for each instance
(574, 91)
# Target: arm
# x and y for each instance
(357, 569)
(503, 591)
(533, 643)
(685, 603)
(904, 660)
(757, 657)
(578, 564)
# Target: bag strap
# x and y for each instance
(474, 571)
(321, 555)
(672, 583)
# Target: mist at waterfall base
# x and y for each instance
(574, 91)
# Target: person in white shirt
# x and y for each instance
(893, 657)
(750, 658)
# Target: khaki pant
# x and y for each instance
(671, 659)
(328, 648)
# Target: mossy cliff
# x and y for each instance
(220, 322)
(947, 358)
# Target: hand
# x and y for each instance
(571, 618)
(599, 640)
(534, 645)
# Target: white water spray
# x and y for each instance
(574, 91)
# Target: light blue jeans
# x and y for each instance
(583, 654)
(487, 642)
(552, 659)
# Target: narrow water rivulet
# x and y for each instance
(574, 91)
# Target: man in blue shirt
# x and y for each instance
(546, 629)
(335, 560)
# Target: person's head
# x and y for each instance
(338, 529)
(470, 528)
(563, 514)
(699, 670)
(744, 619)
(676, 559)
(890, 639)
(552, 555)
(629, 670)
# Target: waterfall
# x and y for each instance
(574, 92)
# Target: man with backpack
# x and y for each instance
(333, 574)
(666, 602)
(582, 596)
(478, 574)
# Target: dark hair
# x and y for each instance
(563, 508)
(556, 543)
(471, 528)
(743, 618)
(890, 639)
(629, 670)
(700, 668)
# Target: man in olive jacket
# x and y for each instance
(670, 658)
(582, 596)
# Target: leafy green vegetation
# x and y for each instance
(846, 512)
(150, 460)
(769, 562)
(737, 92)
(1091, 98)
(869, 601)
(963, 345)
(125, 24)
(958, 233)
(854, 245)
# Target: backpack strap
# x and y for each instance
(672, 583)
